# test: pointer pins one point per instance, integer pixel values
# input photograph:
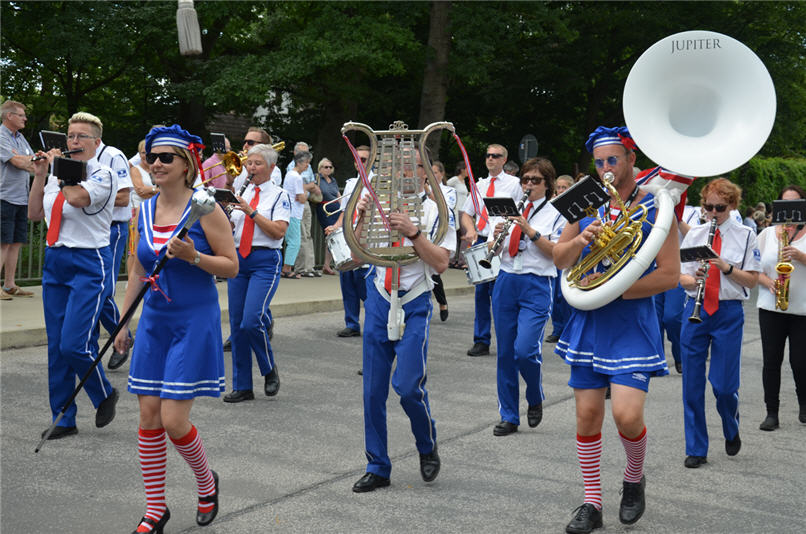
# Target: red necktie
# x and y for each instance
(490, 193)
(249, 227)
(55, 220)
(387, 281)
(711, 301)
(515, 238)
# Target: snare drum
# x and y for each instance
(476, 274)
(342, 256)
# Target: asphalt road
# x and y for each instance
(287, 463)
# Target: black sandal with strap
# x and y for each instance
(156, 526)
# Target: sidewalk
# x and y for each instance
(22, 321)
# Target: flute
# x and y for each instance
(65, 153)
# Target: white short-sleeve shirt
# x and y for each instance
(739, 248)
(273, 204)
(506, 185)
(293, 186)
(85, 227)
(113, 158)
(768, 245)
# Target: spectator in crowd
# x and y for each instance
(295, 189)
(564, 182)
(330, 192)
(15, 170)
(748, 219)
(760, 218)
(143, 189)
(459, 183)
(305, 258)
(449, 193)
(510, 167)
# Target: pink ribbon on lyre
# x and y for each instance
(152, 280)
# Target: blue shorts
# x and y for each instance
(584, 377)
(13, 223)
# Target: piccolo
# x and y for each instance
(67, 153)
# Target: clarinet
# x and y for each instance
(230, 207)
(499, 241)
(695, 315)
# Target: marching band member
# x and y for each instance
(411, 350)
(449, 193)
(260, 219)
(729, 279)
(477, 228)
(559, 309)
(777, 324)
(144, 188)
(74, 281)
(523, 295)
(177, 352)
(618, 344)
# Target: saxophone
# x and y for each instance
(784, 270)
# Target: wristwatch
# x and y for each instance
(253, 214)
(535, 237)
(197, 259)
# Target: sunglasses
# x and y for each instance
(363, 160)
(164, 157)
(250, 142)
(611, 160)
(534, 180)
(720, 208)
(494, 156)
(327, 166)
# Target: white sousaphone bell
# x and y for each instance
(697, 103)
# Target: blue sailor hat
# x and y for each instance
(603, 135)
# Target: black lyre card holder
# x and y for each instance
(700, 253)
(218, 143)
(501, 207)
(70, 171)
(581, 200)
(51, 140)
(789, 211)
(225, 195)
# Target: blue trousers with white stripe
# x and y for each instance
(669, 306)
(521, 307)
(722, 332)
(483, 322)
(408, 381)
(560, 310)
(250, 295)
(74, 285)
(118, 238)
(353, 292)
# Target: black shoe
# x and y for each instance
(443, 315)
(228, 345)
(633, 502)
(156, 526)
(769, 423)
(370, 482)
(360, 372)
(106, 410)
(802, 414)
(117, 359)
(240, 395)
(534, 415)
(586, 518)
(552, 339)
(678, 366)
(272, 384)
(693, 462)
(504, 428)
(349, 332)
(733, 446)
(61, 432)
(479, 349)
(429, 465)
(205, 518)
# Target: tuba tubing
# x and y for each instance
(621, 281)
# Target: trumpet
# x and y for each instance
(329, 211)
(233, 163)
(486, 262)
(695, 315)
(784, 270)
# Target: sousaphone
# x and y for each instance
(697, 103)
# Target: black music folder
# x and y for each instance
(218, 142)
(501, 207)
(225, 195)
(789, 211)
(700, 253)
(53, 140)
(581, 200)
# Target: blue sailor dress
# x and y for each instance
(621, 337)
(178, 351)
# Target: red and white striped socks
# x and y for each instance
(192, 450)
(589, 453)
(636, 452)
(152, 450)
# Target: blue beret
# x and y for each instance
(602, 136)
(170, 136)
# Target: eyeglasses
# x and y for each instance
(363, 159)
(720, 208)
(611, 160)
(18, 114)
(164, 157)
(535, 180)
(80, 137)
(494, 156)
(250, 142)
(327, 166)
